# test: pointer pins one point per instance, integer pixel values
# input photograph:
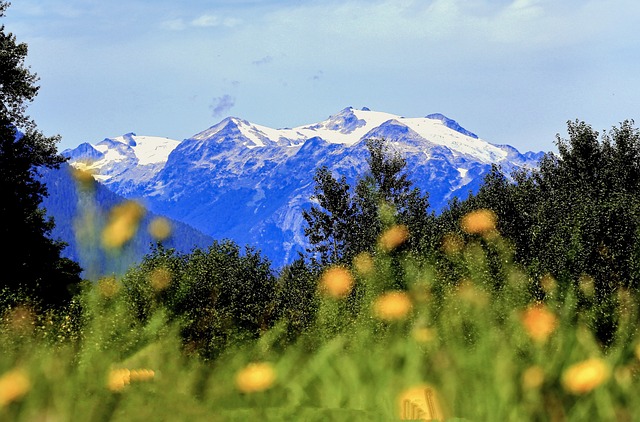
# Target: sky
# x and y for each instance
(512, 71)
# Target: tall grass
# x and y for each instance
(460, 339)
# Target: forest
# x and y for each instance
(518, 302)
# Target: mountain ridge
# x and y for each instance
(250, 183)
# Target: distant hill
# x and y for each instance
(68, 206)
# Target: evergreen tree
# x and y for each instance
(348, 221)
(31, 263)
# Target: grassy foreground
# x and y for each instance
(467, 347)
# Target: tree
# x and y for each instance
(347, 222)
(31, 264)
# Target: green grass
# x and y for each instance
(466, 340)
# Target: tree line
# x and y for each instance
(573, 220)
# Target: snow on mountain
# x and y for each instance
(123, 162)
(250, 183)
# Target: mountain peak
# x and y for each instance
(451, 124)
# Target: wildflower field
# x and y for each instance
(393, 337)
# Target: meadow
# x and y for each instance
(443, 347)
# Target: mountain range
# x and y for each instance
(250, 183)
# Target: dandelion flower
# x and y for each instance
(160, 278)
(122, 225)
(363, 263)
(392, 306)
(423, 334)
(13, 385)
(336, 282)
(118, 379)
(108, 287)
(452, 244)
(255, 377)
(421, 402)
(482, 221)
(533, 377)
(584, 376)
(159, 228)
(141, 375)
(393, 237)
(539, 322)
(84, 177)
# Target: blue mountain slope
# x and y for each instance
(69, 207)
(250, 183)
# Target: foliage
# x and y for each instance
(347, 222)
(575, 218)
(219, 295)
(32, 267)
(443, 350)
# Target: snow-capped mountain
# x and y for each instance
(248, 182)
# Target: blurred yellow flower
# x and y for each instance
(393, 237)
(141, 375)
(548, 283)
(539, 322)
(108, 287)
(159, 228)
(532, 377)
(470, 294)
(255, 377)
(421, 402)
(363, 263)
(424, 334)
(84, 177)
(452, 244)
(122, 225)
(482, 221)
(585, 376)
(392, 306)
(13, 385)
(118, 379)
(160, 278)
(336, 282)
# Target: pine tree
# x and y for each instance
(31, 264)
(347, 222)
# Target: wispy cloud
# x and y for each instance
(262, 61)
(206, 20)
(220, 105)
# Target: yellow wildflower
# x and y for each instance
(585, 376)
(452, 244)
(160, 278)
(482, 221)
(336, 282)
(539, 322)
(421, 402)
(363, 263)
(255, 377)
(392, 306)
(13, 385)
(122, 225)
(393, 237)
(118, 379)
(533, 377)
(159, 228)
(108, 287)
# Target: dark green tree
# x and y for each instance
(31, 265)
(576, 217)
(349, 221)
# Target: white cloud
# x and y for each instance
(206, 21)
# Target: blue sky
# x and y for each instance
(512, 71)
